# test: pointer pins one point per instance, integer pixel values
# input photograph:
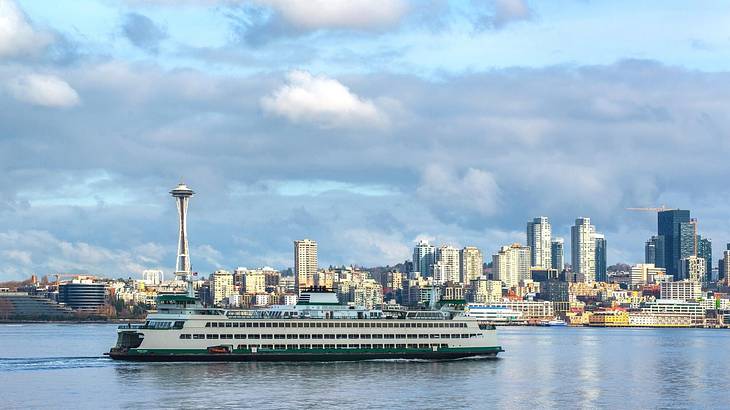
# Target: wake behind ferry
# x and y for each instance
(317, 328)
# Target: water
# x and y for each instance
(60, 366)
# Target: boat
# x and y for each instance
(554, 322)
(316, 328)
(495, 315)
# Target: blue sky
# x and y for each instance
(365, 125)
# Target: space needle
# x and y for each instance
(182, 195)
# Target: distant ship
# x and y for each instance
(553, 322)
(317, 328)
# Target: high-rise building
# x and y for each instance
(221, 286)
(511, 264)
(472, 264)
(678, 232)
(557, 254)
(724, 267)
(447, 267)
(644, 273)
(583, 249)
(152, 277)
(305, 263)
(424, 255)
(600, 244)
(539, 235)
(704, 251)
(692, 268)
(654, 251)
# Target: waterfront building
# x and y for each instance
(692, 268)
(511, 264)
(645, 319)
(695, 311)
(82, 293)
(557, 254)
(601, 268)
(448, 263)
(471, 264)
(644, 273)
(24, 306)
(424, 256)
(485, 290)
(305, 263)
(539, 235)
(678, 233)
(609, 318)
(680, 290)
(152, 277)
(583, 249)
(221, 286)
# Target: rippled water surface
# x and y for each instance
(61, 366)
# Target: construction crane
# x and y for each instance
(661, 208)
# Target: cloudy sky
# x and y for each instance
(363, 124)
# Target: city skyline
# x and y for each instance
(453, 122)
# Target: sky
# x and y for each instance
(363, 124)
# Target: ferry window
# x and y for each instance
(268, 324)
(235, 324)
(305, 346)
(444, 345)
(464, 336)
(434, 336)
(412, 336)
(331, 325)
(315, 336)
(354, 346)
(229, 324)
(215, 324)
(241, 347)
(419, 324)
(318, 325)
(275, 325)
(424, 345)
(267, 336)
(221, 324)
(304, 336)
(239, 336)
(412, 346)
(198, 336)
(317, 346)
(342, 346)
(341, 336)
(389, 336)
(292, 336)
(400, 336)
(364, 336)
(306, 324)
(377, 336)
(254, 336)
(354, 336)
(376, 346)
(361, 325)
(279, 336)
(287, 324)
(212, 337)
(349, 324)
(256, 324)
(338, 324)
(444, 336)
(228, 336)
(267, 346)
(207, 324)
(400, 346)
(184, 336)
(329, 336)
(279, 347)
(378, 325)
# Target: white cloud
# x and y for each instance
(44, 90)
(17, 36)
(476, 191)
(322, 100)
(348, 14)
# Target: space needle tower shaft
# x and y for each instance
(182, 195)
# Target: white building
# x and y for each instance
(471, 264)
(152, 277)
(692, 268)
(305, 263)
(680, 290)
(583, 249)
(447, 264)
(511, 264)
(221, 286)
(644, 273)
(539, 238)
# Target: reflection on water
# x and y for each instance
(43, 365)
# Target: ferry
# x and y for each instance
(554, 322)
(317, 328)
(495, 315)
